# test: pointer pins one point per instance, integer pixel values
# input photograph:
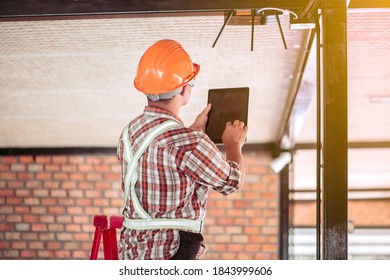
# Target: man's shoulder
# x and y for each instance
(182, 137)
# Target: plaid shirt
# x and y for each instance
(174, 176)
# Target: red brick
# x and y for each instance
(17, 167)
(48, 201)
(56, 210)
(13, 218)
(12, 235)
(234, 212)
(30, 218)
(85, 168)
(34, 184)
(60, 159)
(251, 230)
(112, 176)
(86, 185)
(82, 220)
(235, 247)
(43, 176)
(6, 227)
(94, 194)
(62, 254)
(26, 159)
(116, 168)
(47, 218)
(112, 194)
(77, 176)
(94, 210)
(63, 219)
(73, 228)
(5, 209)
(93, 160)
(22, 209)
(72, 246)
(53, 245)
(64, 236)
(66, 201)
(36, 245)
(269, 247)
(253, 247)
(7, 193)
(81, 236)
(51, 185)
(38, 210)
(94, 176)
(116, 202)
(76, 159)
(56, 227)
(9, 159)
(45, 254)
(84, 201)
(103, 168)
(52, 167)
(39, 227)
(15, 184)
(61, 176)
(223, 238)
(35, 167)
(22, 227)
(68, 185)
(76, 210)
(80, 255)
(9, 254)
(58, 193)
(110, 160)
(43, 159)
(31, 201)
(29, 236)
(7, 176)
(4, 244)
(40, 193)
(46, 236)
(240, 238)
(103, 185)
(18, 245)
(68, 168)
(76, 193)
(23, 193)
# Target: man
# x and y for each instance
(168, 168)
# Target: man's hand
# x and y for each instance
(234, 135)
(201, 119)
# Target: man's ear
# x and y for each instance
(183, 91)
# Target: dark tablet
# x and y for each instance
(228, 104)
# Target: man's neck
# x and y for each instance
(171, 106)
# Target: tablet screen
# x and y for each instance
(228, 104)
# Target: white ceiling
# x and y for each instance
(69, 83)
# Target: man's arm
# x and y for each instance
(233, 138)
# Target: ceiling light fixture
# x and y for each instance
(252, 17)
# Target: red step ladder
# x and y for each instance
(106, 226)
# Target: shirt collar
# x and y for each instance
(161, 113)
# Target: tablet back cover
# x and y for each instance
(228, 104)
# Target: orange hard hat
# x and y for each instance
(164, 67)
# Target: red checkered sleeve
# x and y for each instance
(207, 166)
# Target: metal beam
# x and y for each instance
(284, 212)
(42, 8)
(351, 145)
(335, 130)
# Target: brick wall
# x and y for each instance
(47, 205)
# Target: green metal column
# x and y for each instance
(335, 130)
